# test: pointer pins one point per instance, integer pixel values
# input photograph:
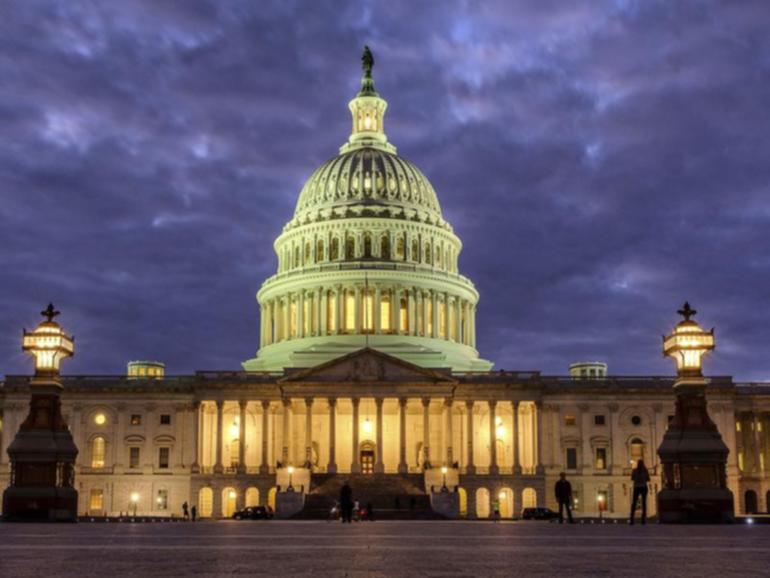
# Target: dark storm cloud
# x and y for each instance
(602, 161)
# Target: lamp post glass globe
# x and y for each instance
(688, 344)
(444, 471)
(290, 487)
(48, 344)
(134, 500)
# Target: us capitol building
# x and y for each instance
(368, 371)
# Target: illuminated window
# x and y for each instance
(163, 458)
(569, 420)
(404, 315)
(452, 323)
(350, 311)
(400, 250)
(162, 500)
(429, 316)
(307, 255)
(96, 501)
(319, 251)
(415, 251)
(385, 312)
(100, 419)
(740, 460)
(165, 419)
(136, 419)
(234, 449)
(133, 457)
(637, 451)
(427, 254)
(368, 320)
(737, 426)
(350, 249)
(307, 316)
(331, 308)
(335, 253)
(293, 318)
(571, 458)
(601, 459)
(441, 319)
(599, 420)
(97, 452)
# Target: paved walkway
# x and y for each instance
(402, 549)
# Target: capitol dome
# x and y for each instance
(367, 260)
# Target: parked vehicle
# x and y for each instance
(538, 514)
(253, 513)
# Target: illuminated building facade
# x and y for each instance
(368, 366)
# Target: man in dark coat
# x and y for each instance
(563, 491)
(346, 502)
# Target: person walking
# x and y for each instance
(640, 478)
(185, 512)
(563, 491)
(346, 502)
(194, 512)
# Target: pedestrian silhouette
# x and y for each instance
(194, 512)
(640, 477)
(346, 503)
(563, 491)
(185, 511)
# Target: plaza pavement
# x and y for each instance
(382, 548)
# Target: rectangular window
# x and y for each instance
(165, 419)
(162, 500)
(331, 315)
(136, 419)
(385, 313)
(601, 458)
(163, 454)
(569, 420)
(571, 458)
(403, 317)
(96, 502)
(599, 420)
(350, 311)
(133, 457)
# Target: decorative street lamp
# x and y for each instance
(692, 453)
(290, 488)
(43, 453)
(444, 471)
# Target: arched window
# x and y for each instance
(205, 502)
(252, 497)
(463, 502)
(335, 249)
(229, 501)
(367, 245)
(296, 256)
(636, 449)
(427, 259)
(385, 247)
(350, 249)
(506, 503)
(529, 498)
(308, 250)
(319, 251)
(438, 257)
(98, 446)
(482, 503)
(415, 251)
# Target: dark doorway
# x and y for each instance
(367, 461)
(750, 502)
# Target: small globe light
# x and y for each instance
(100, 419)
(232, 494)
(48, 344)
(500, 431)
(367, 426)
(444, 470)
(291, 469)
(134, 497)
(501, 495)
(688, 344)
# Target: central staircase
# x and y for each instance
(392, 496)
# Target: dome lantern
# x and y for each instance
(368, 111)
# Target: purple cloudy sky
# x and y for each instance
(601, 161)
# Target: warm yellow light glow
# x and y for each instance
(600, 498)
(368, 122)
(232, 495)
(100, 419)
(48, 344)
(501, 495)
(134, 497)
(367, 426)
(444, 470)
(234, 429)
(687, 345)
(500, 432)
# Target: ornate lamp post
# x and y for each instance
(692, 453)
(43, 454)
(444, 471)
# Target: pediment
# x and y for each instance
(369, 366)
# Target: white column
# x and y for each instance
(403, 468)
(426, 432)
(218, 468)
(470, 468)
(379, 465)
(411, 313)
(309, 432)
(395, 311)
(332, 466)
(286, 441)
(377, 305)
(539, 468)
(434, 316)
(323, 308)
(355, 466)
(493, 469)
(515, 438)
(242, 436)
(358, 309)
(264, 467)
(448, 437)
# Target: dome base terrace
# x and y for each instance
(421, 351)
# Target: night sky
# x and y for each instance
(601, 161)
